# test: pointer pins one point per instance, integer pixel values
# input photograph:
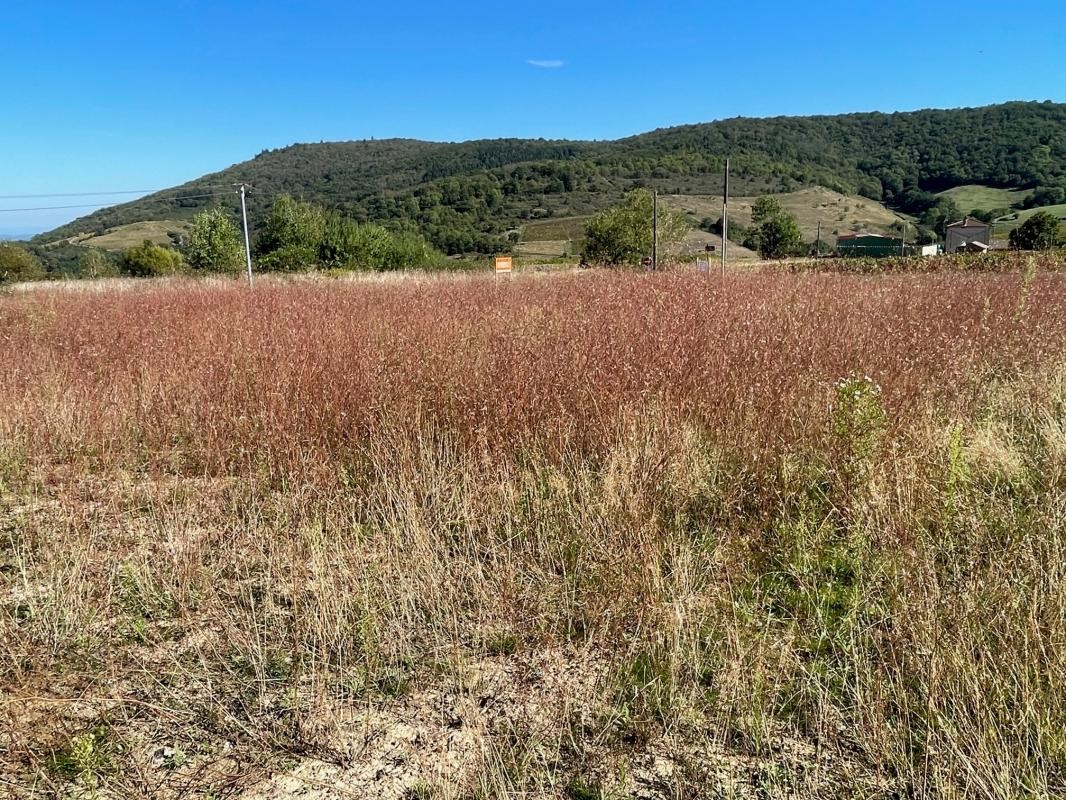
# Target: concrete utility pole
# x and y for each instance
(654, 230)
(902, 235)
(247, 244)
(725, 217)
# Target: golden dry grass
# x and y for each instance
(837, 213)
(125, 236)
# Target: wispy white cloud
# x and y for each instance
(546, 63)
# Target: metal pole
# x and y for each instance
(654, 230)
(818, 241)
(725, 217)
(247, 243)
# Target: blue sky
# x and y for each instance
(129, 94)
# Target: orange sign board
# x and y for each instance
(504, 264)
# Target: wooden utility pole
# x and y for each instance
(655, 230)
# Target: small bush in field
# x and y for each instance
(150, 260)
(858, 425)
(858, 415)
(18, 264)
(86, 759)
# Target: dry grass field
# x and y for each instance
(125, 236)
(837, 213)
(597, 535)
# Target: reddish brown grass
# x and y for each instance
(235, 524)
(290, 377)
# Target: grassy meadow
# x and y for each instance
(984, 198)
(838, 214)
(592, 535)
(1005, 225)
(125, 236)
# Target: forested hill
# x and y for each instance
(467, 196)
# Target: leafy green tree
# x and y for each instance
(149, 260)
(300, 235)
(765, 208)
(1045, 196)
(623, 234)
(409, 250)
(353, 245)
(292, 235)
(941, 214)
(215, 242)
(774, 233)
(1039, 232)
(17, 264)
(96, 263)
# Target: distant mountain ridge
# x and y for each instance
(468, 196)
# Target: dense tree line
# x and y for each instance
(465, 197)
(295, 236)
(299, 235)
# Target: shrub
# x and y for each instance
(96, 263)
(292, 235)
(301, 235)
(17, 264)
(149, 260)
(215, 242)
(289, 258)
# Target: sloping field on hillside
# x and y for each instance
(1004, 225)
(984, 198)
(837, 213)
(126, 236)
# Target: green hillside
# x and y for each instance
(1004, 225)
(985, 198)
(467, 197)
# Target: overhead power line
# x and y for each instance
(97, 205)
(97, 194)
(76, 194)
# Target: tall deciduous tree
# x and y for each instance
(17, 264)
(96, 263)
(774, 233)
(215, 242)
(292, 234)
(1039, 232)
(623, 234)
